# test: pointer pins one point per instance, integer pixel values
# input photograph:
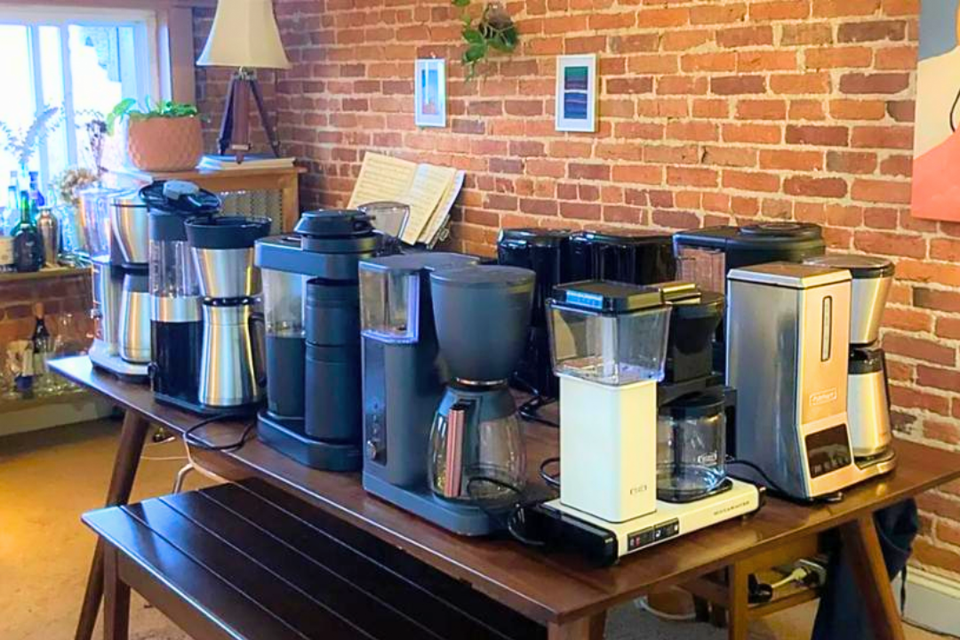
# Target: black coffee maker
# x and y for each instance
(635, 258)
(312, 316)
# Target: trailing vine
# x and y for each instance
(494, 30)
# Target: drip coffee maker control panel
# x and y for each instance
(653, 535)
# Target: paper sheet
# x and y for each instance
(430, 191)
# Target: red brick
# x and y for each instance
(838, 8)
(732, 85)
(806, 33)
(890, 244)
(920, 349)
(880, 191)
(875, 31)
(800, 83)
(847, 109)
(645, 174)
(946, 379)
(794, 160)
(912, 399)
(936, 299)
(897, 58)
(695, 131)
(748, 109)
(691, 177)
(718, 13)
(906, 319)
(818, 187)
(837, 57)
(750, 61)
(629, 85)
(833, 136)
(851, 162)
(756, 133)
(675, 219)
(949, 328)
(712, 61)
(945, 249)
(874, 82)
(751, 181)
(589, 171)
(779, 10)
(745, 37)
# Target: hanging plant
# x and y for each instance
(494, 30)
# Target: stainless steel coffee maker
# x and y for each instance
(115, 232)
(232, 375)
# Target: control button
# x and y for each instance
(373, 449)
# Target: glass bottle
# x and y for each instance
(12, 213)
(35, 195)
(27, 242)
(42, 347)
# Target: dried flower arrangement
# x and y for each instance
(23, 143)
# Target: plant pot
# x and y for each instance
(165, 144)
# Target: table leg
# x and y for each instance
(738, 590)
(116, 599)
(862, 547)
(132, 436)
(588, 628)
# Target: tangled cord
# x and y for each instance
(834, 497)
(190, 437)
(511, 515)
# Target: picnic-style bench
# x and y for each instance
(249, 561)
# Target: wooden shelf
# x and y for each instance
(44, 274)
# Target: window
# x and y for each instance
(80, 61)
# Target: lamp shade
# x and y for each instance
(244, 34)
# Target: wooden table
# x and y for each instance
(559, 591)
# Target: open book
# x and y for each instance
(428, 190)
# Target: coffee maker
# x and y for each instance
(638, 258)
(232, 373)
(547, 253)
(787, 352)
(443, 437)
(312, 314)
(868, 393)
(176, 311)
(404, 379)
(609, 343)
(115, 229)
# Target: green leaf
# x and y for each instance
(472, 36)
(475, 52)
(461, 3)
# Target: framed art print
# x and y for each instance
(577, 93)
(430, 93)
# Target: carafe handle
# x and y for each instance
(453, 470)
(258, 342)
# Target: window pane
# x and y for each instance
(16, 110)
(52, 71)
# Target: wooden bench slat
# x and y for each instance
(307, 574)
(252, 495)
(224, 606)
(238, 570)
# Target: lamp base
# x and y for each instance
(235, 126)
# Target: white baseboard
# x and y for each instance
(933, 602)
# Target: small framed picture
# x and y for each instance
(577, 93)
(430, 93)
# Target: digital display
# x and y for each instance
(828, 450)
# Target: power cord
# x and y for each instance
(832, 498)
(511, 515)
(552, 481)
(190, 438)
(530, 410)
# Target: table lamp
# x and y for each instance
(244, 36)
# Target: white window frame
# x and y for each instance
(152, 68)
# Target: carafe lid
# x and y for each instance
(180, 197)
(860, 267)
(706, 404)
(129, 199)
(793, 230)
(484, 277)
(607, 296)
(334, 223)
(226, 232)
(639, 237)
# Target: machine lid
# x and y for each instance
(533, 237)
(607, 296)
(484, 277)
(706, 404)
(180, 197)
(630, 239)
(226, 232)
(128, 199)
(757, 237)
(790, 275)
(422, 261)
(708, 305)
(860, 267)
(863, 361)
(334, 223)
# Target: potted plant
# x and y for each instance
(164, 137)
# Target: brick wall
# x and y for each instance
(60, 296)
(711, 111)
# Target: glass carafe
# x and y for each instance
(476, 449)
(283, 314)
(691, 434)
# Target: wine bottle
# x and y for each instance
(42, 346)
(27, 242)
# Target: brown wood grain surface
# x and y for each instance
(549, 588)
